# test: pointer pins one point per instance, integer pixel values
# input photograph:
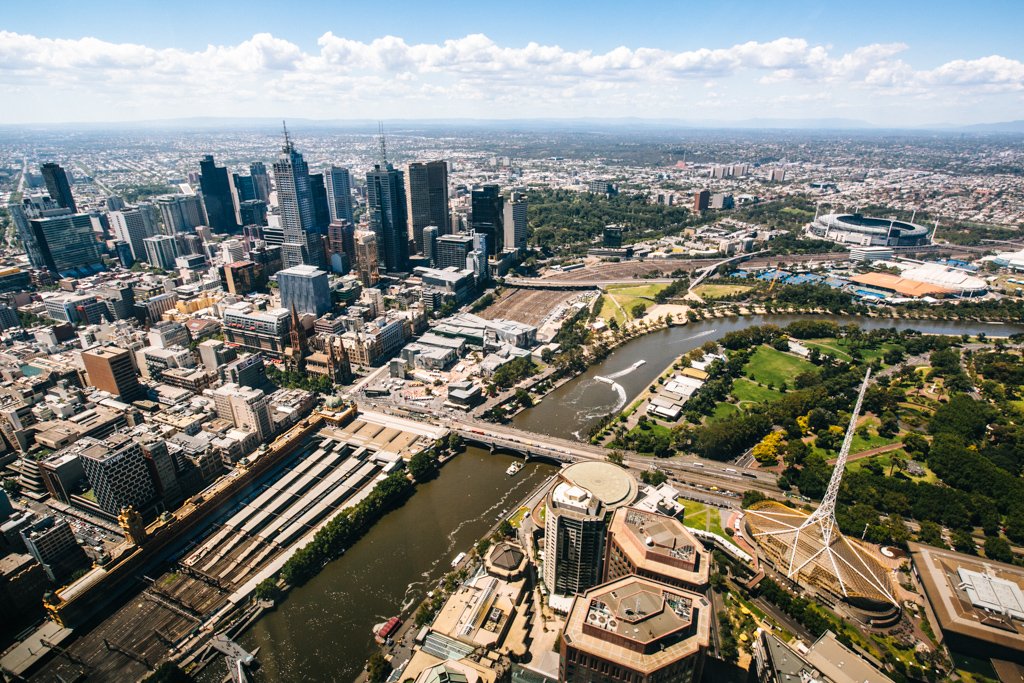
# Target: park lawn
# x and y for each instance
(885, 461)
(609, 311)
(840, 348)
(778, 368)
(654, 427)
(722, 411)
(628, 296)
(746, 391)
(860, 444)
(517, 517)
(718, 291)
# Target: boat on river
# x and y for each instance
(514, 468)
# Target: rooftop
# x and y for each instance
(639, 623)
(660, 544)
(609, 483)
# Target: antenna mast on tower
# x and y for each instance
(383, 143)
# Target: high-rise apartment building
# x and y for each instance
(304, 289)
(579, 503)
(386, 206)
(302, 244)
(111, 369)
(339, 193)
(57, 185)
(245, 407)
(427, 196)
(216, 189)
(161, 251)
(487, 207)
(701, 200)
(366, 257)
(180, 213)
(515, 222)
(131, 226)
(117, 471)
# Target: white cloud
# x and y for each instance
(61, 79)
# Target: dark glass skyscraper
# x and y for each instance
(321, 211)
(302, 244)
(488, 216)
(58, 187)
(385, 204)
(261, 180)
(428, 199)
(63, 242)
(216, 188)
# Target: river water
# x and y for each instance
(323, 630)
(571, 410)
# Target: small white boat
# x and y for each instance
(514, 468)
(458, 558)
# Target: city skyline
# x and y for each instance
(905, 66)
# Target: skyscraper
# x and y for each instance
(366, 257)
(487, 216)
(430, 243)
(216, 188)
(298, 217)
(515, 222)
(132, 227)
(59, 240)
(180, 212)
(321, 210)
(385, 203)
(701, 200)
(260, 180)
(427, 190)
(58, 186)
(304, 289)
(253, 212)
(161, 250)
(341, 238)
(339, 193)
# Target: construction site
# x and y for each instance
(203, 589)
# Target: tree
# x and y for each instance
(523, 397)
(378, 668)
(653, 477)
(454, 442)
(915, 443)
(751, 497)
(423, 466)
(616, 458)
(638, 310)
(998, 548)
(767, 450)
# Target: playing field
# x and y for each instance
(777, 368)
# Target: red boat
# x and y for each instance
(384, 631)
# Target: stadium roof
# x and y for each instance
(900, 285)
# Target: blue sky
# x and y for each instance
(903, 63)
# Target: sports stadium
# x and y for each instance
(865, 231)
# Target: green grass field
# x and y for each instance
(885, 461)
(770, 366)
(746, 391)
(722, 411)
(696, 515)
(718, 291)
(840, 348)
(627, 296)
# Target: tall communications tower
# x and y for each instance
(811, 551)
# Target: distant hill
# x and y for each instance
(1000, 127)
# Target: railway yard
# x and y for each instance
(254, 535)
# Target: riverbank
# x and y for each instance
(574, 406)
(322, 631)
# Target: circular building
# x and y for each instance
(865, 231)
(575, 527)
